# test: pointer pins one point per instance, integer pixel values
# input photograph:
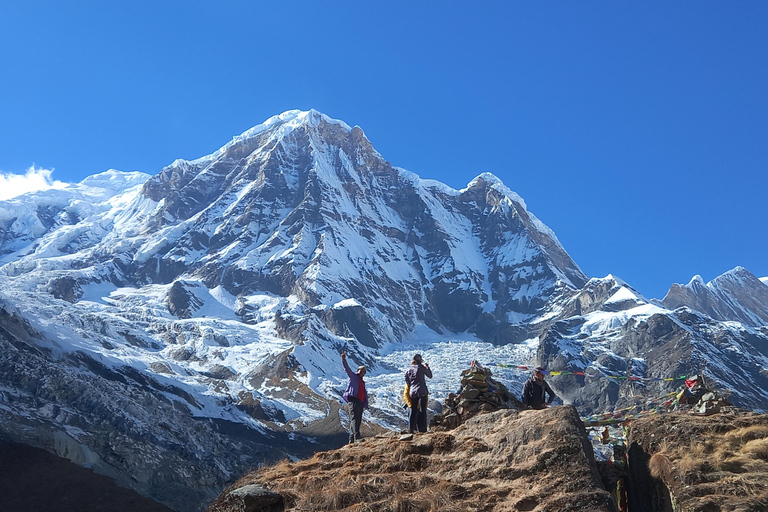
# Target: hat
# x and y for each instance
(539, 369)
(417, 358)
(361, 367)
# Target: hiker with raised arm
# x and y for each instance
(356, 396)
(535, 389)
(417, 384)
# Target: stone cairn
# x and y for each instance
(479, 394)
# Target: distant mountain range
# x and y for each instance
(173, 331)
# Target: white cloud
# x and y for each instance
(12, 185)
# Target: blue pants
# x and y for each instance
(418, 414)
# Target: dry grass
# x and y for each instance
(350, 485)
(743, 435)
(660, 466)
(695, 459)
(736, 451)
(756, 448)
(713, 460)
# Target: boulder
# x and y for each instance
(255, 498)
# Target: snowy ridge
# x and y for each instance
(734, 295)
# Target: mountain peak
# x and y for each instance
(734, 295)
(738, 272)
(285, 123)
(496, 184)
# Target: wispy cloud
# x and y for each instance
(12, 185)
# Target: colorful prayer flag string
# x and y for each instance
(558, 373)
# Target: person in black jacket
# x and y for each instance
(534, 390)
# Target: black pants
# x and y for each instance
(418, 414)
(356, 418)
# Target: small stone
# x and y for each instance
(256, 498)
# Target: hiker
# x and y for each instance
(534, 390)
(693, 391)
(417, 390)
(356, 396)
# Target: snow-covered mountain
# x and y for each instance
(173, 331)
(631, 349)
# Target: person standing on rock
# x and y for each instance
(534, 390)
(415, 378)
(357, 398)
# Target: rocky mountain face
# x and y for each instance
(631, 350)
(736, 295)
(34, 479)
(307, 208)
(120, 422)
(173, 331)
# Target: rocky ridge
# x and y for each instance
(504, 460)
(737, 295)
(499, 457)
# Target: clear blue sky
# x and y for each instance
(638, 131)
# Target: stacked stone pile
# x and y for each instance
(479, 393)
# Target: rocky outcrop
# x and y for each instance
(254, 498)
(695, 463)
(504, 460)
(182, 301)
(65, 288)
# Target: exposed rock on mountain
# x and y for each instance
(622, 335)
(32, 479)
(736, 295)
(304, 206)
(122, 423)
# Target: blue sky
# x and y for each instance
(638, 131)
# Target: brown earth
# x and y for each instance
(712, 463)
(500, 461)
